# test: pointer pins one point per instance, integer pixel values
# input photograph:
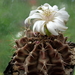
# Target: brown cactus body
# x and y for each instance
(41, 55)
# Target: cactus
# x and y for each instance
(44, 50)
(38, 54)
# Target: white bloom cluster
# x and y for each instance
(47, 18)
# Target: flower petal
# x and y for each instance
(55, 8)
(37, 26)
(62, 14)
(35, 11)
(51, 27)
(58, 18)
(47, 5)
(27, 21)
(60, 25)
(32, 12)
(42, 30)
(33, 17)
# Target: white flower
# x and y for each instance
(49, 18)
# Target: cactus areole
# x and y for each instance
(43, 50)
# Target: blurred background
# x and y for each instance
(12, 16)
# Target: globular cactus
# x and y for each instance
(46, 51)
(42, 55)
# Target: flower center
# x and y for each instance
(48, 15)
